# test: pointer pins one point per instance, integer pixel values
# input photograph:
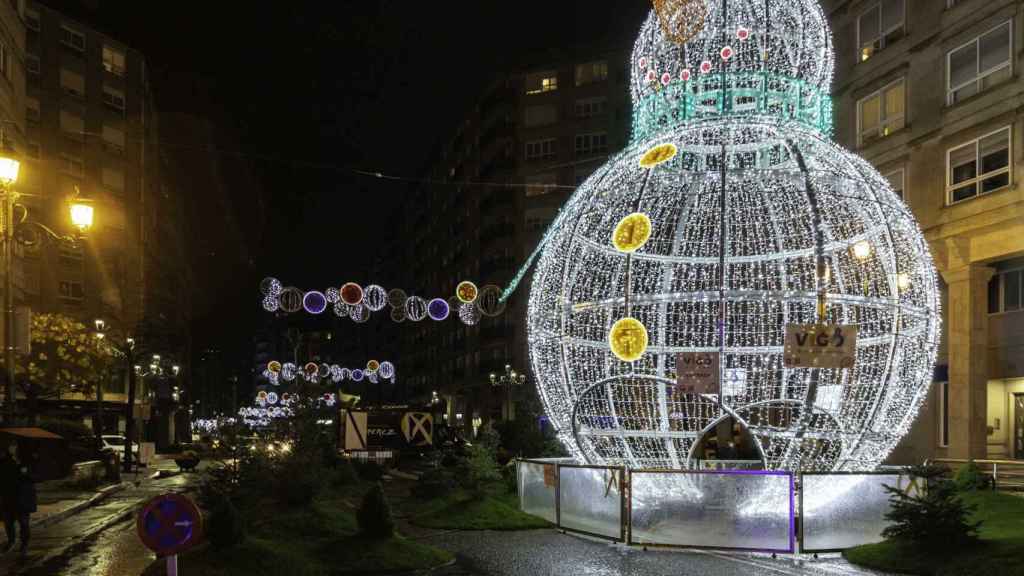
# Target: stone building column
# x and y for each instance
(967, 318)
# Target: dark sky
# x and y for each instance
(301, 92)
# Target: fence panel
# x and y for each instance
(537, 484)
(744, 510)
(840, 511)
(590, 500)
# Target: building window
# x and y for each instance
(541, 82)
(879, 26)
(943, 392)
(71, 290)
(895, 179)
(72, 38)
(541, 184)
(113, 60)
(5, 61)
(31, 19)
(881, 113)
(72, 125)
(591, 107)
(540, 149)
(979, 64)
(32, 63)
(113, 97)
(540, 115)
(113, 179)
(596, 143)
(591, 72)
(1006, 291)
(70, 257)
(72, 165)
(72, 83)
(32, 109)
(979, 167)
(113, 139)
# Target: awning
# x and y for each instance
(31, 433)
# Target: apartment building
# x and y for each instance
(930, 92)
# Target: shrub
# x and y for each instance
(480, 468)
(434, 483)
(298, 480)
(936, 520)
(969, 477)
(225, 527)
(374, 515)
(344, 472)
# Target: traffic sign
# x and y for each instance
(169, 524)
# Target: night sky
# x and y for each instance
(302, 93)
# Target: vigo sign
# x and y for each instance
(697, 372)
(820, 346)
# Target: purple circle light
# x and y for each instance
(438, 309)
(357, 375)
(314, 302)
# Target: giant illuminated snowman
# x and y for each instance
(641, 265)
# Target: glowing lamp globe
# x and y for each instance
(730, 215)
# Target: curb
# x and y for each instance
(100, 496)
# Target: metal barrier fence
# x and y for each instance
(1005, 474)
(748, 510)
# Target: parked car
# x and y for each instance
(115, 443)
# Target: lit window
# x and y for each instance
(541, 82)
(881, 113)
(879, 26)
(596, 143)
(113, 97)
(113, 138)
(32, 63)
(31, 19)
(113, 60)
(540, 115)
(113, 179)
(895, 179)
(72, 38)
(591, 107)
(979, 167)
(72, 124)
(979, 64)
(72, 165)
(72, 83)
(591, 72)
(1006, 291)
(541, 149)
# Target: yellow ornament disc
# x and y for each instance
(466, 292)
(632, 232)
(274, 366)
(372, 366)
(628, 339)
(659, 154)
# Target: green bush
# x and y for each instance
(225, 526)
(345, 473)
(434, 483)
(969, 477)
(374, 515)
(480, 468)
(933, 521)
(298, 481)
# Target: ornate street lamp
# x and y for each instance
(509, 379)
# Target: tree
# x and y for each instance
(935, 520)
(65, 357)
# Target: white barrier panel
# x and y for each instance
(841, 511)
(746, 510)
(537, 483)
(590, 500)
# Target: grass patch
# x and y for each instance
(321, 540)
(459, 510)
(1000, 550)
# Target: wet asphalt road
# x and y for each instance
(99, 541)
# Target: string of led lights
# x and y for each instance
(374, 371)
(728, 217)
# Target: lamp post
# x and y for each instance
(509, 379)
(81, 217)
(100, 334)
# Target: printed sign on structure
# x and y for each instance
(820, 346)
(697, 372)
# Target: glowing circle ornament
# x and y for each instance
(759, 215)
(438, 309)
(359, 313)
(469, 314)
(271, 304)
(632, 232)
(351, 293)
(466, 291)
(387, 370)
(270, 286)
(662, 152)
(288, 371)
(314, 302)
(398, 314)
(357, 375)
(489, 301)
(372, 366)
(274, 366)
(290, 299)
(332, 294)
(397, 297)
(375, 297)
(340, 309)
(628, 339)
(416, 308)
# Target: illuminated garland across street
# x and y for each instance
(357, 303)
(312, 372)
(752, 220)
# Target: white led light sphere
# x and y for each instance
(795, 204)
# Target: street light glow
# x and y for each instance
(8, 170)
(81, 216)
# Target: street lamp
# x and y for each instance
(509, 379)
(81, 216)
(100, 335)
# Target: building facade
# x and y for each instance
(491, 192)
(930, 92)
